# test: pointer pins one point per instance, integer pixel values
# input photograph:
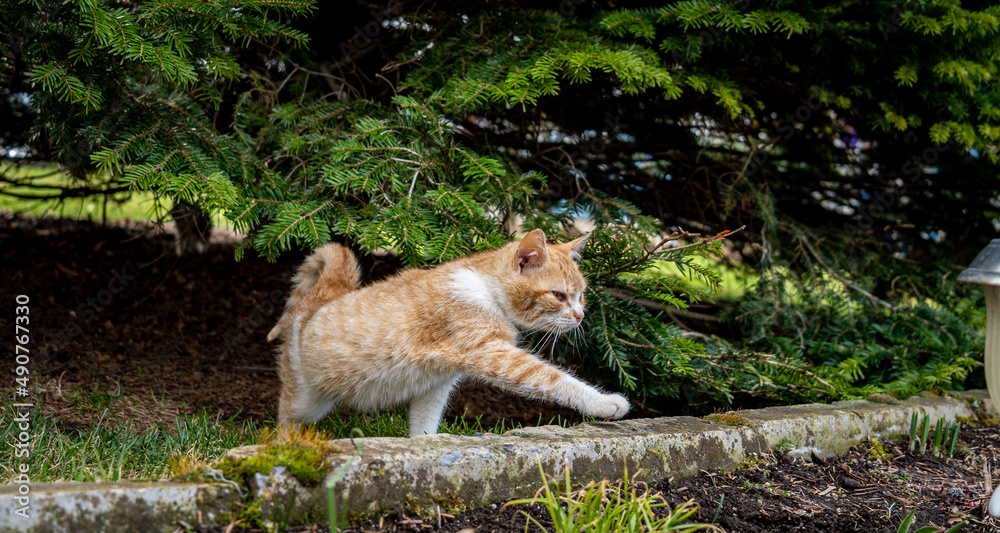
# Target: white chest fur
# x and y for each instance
(467, 285)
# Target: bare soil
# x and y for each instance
(852, 493)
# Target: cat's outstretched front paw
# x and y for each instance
(612, 406)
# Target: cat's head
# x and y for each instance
(546, 289)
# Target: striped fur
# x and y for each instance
(409, 339)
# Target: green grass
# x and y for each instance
(108, 451)
(604, 507)
(339, 425)
(48, 180)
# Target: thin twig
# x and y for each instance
(413, 183)
(767, 360)
(651, 252)
(812, 251)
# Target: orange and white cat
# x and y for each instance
(409, 339)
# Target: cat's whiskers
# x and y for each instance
(549, 338)
(579, 339)
(552, 347)
(540, 342)
(551, 333)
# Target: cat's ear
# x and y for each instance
(574, 248)
(531, 252)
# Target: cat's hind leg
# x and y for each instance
(426, 409)
(297, 406)
(298, 402)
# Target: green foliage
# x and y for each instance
(458, 125)
(510, 68)
(651, 357)
(859, 347)
(904, 526)
(126, 89)
(388, 177)
(945, 436)
(607, 507)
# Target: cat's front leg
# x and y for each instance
(592, 402)
(517, 370)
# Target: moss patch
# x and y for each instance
(751, 462)
(730, 419)
(301, 450)
(248, 512)
(429, 509)
(878, 451)
(882, 398)
(304, 463)
(186, 469)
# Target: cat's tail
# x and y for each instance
(328, 273)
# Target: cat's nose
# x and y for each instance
(578, 315)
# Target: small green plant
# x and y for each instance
(953, 440)
(945, 435)
(786, 445)
(924, 429)
(606, 507)
(878, 451)
(938, 431)
(718, 510)
(908, 521)
(750, 462)
(338, 517)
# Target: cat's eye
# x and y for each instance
(561, 296)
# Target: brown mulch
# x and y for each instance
(852, 493)
(844, 494)
(115, 312)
